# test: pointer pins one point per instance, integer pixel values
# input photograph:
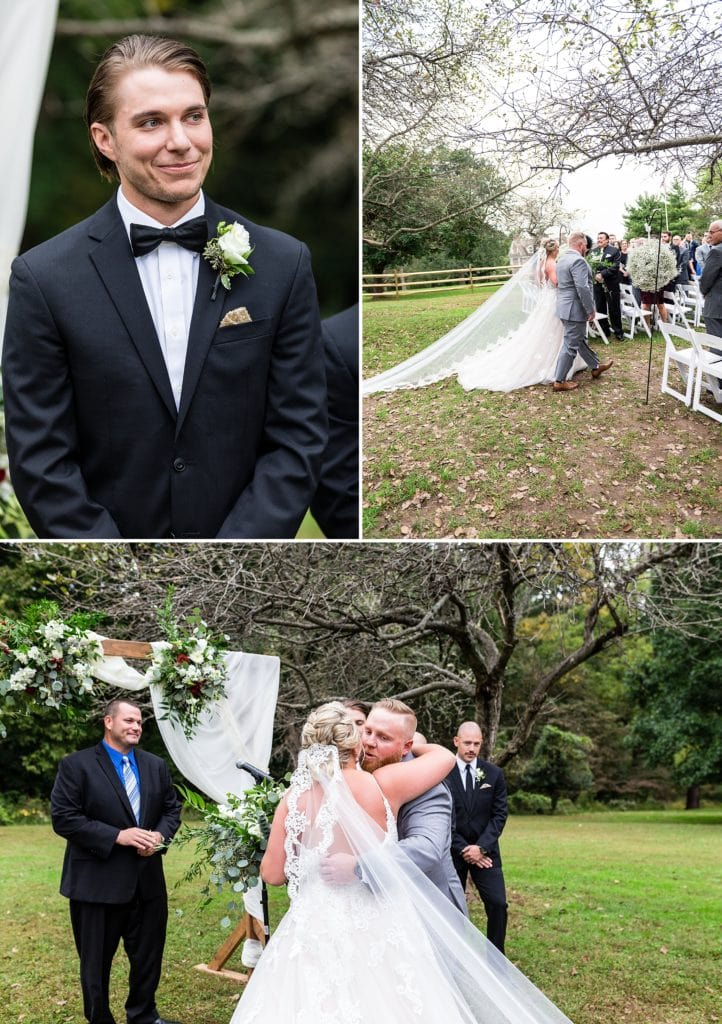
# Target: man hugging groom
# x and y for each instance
(575, 308)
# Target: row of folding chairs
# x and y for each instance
(684, 305)
(699, 366)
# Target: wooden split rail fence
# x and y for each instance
(396, 283)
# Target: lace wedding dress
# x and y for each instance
(511, 341)
(384, 949)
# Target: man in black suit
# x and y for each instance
(116, 807)
(143, 400)
(335, 506)
(478, 790)
(606, 283)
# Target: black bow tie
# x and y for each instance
(193, 234)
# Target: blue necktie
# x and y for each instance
(131, 788)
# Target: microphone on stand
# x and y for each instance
(256, 774)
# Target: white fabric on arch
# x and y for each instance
(27, 28)
(237, 728)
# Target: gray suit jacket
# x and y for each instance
(424, 827)
(710, 283)
(575, 299)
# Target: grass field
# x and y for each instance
(597, 462)
(615, 916)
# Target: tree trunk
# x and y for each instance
(692, 803)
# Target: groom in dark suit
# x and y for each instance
(478, 790)
(116, 805)
(144, 398)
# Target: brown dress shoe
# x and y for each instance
(565, 385)
(601, 368)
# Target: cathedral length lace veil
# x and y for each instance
(497, 318)
(383, 949)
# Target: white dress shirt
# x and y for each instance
(462, 770)
(169, 276)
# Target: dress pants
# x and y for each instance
(98, 929)
(575, 341)
(609, 302)
(490, 885)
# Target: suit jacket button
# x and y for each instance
(179, 465)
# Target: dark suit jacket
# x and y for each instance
(335, 505)
(480, 820)
(710, 283)
(97, 448)
(611, 254)
(89, 807)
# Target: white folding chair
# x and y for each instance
(692, 301)
(685, 359)
(632, 311)
(594, 327)
(676, 308)
(708, 373)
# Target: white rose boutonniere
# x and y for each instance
(480, 776)
(228, 253)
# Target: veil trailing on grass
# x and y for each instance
(497, 318)
(388, 946)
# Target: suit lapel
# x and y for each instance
(108, 768)
(113, 259)
(207, 315)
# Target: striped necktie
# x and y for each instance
(131, 788)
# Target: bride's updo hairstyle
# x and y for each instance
(550, 244)
(332, 725)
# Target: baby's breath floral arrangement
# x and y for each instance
(191, 669)
(231, 840)
(46, 660)
(642, 266)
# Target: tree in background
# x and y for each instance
(671, 211)
(284, 108)
(559, 766)
(437, 206)
(677, 691)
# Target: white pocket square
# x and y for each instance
(485, 785)
(240, 315)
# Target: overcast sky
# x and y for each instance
(600, 194)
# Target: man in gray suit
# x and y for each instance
(575, 307)
(423, 824)
(710, 283)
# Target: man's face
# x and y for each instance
(160, 140)
(123, 729)
(715, 232)
(665, 237)
(602, 239)
(468, 743)
(676, 240)
(385, 738)
(612, 239)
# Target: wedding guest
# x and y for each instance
(606, 283)
(116, 807)
(359, 711)
(710, 283)
(682, 251)
(155, 387)
(692, 244)
(335, 505)
(701, 253)
(623, 254)
(478, 790)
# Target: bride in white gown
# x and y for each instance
(511, 341)
(389, 947)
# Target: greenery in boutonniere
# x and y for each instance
(231, 839)
(191, 670)
(598, 264)
(228, 253)
(480, 776)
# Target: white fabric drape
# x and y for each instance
(26, 35)
(237, 728)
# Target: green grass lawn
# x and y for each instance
(597, 462)
(615, 916)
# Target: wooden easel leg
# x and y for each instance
(248, 928)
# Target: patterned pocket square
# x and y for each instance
(236, 316)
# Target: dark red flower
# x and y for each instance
(31, 690)
(197, 689)
(182, 658)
